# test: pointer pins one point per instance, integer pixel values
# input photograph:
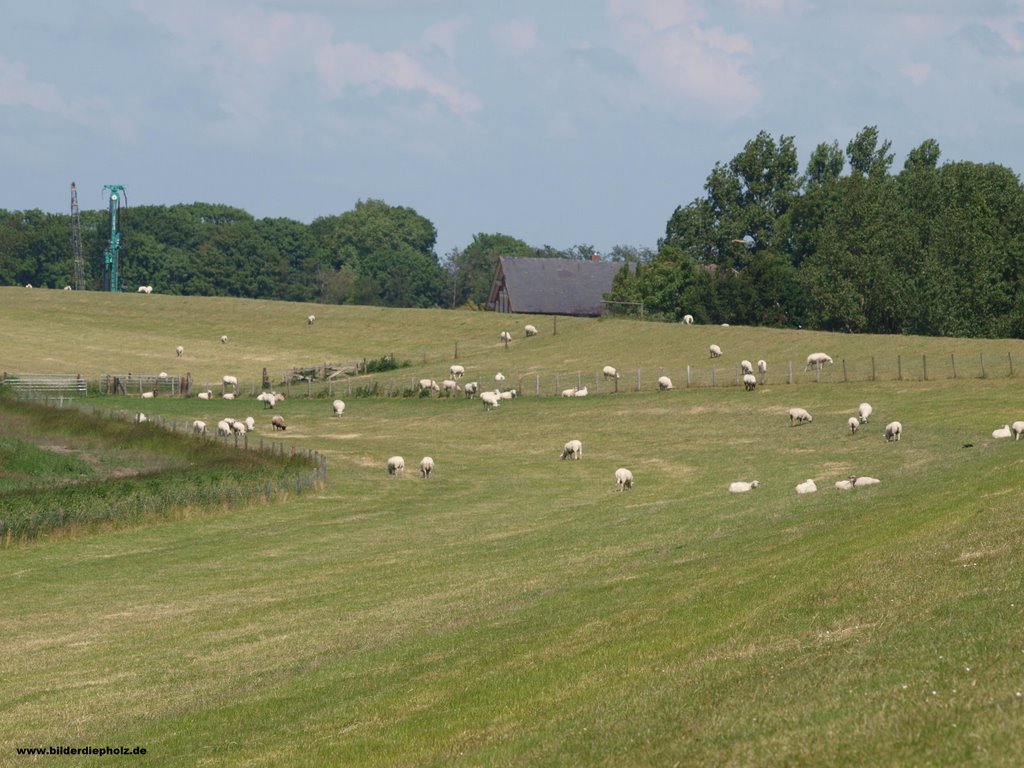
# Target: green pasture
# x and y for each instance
(515, 609)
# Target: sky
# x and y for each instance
(559, 122)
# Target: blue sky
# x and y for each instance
(560, 123)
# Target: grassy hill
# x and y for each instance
(515, 609)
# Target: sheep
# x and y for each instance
(742, 487)
(609, 372)
(28, 285)
(429, 385)
(859, 482)
(490, 400)
(505, 336)
(426, 467)
(223, 428)
(231, 381)
(749, 382)
(148, 395)
(864, 411)
(664, 382)
(508, 394)
(67, 287)
(816, 360)
(746, 366)
(762, 367)
(807, 487)
(853, 424)
(339, 407)
(250, 423)
(893, 431)
(162, 374)
(140, 418)
(311, 319)
(471, 388)
(499, 376)
(688, 319)
(199, 427)
(179, 350)
(223, 339)
(623, 479)
(573, 450)
(228, 395)
(238, 427)
(396, 465)
(145, 289)
(207, 395)
(450, 387)
(457, 371)
(1002, 432)
(278, 423)
(581, 392)
(845, 485)
(1018, 429)
(799, 416)
(715, 350)
(269, 399)
(571, 392)
(530, 330)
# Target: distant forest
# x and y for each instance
(843, 245)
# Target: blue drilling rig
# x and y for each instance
(111, 281)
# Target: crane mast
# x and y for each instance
(76, 241)
(111, 254)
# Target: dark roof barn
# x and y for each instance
(551, 286)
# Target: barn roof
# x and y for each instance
(551, 286)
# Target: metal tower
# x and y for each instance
(76, 241)
(110, 255)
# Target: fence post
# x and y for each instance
(845, 380)
(983, 365)
(558, 389)
(688, 377)
(456, 351)
(538, 385)
(899, 367)
(712, 374)
(873, 368)
(790, 381)
(579, 380)
(924, 365)
(952, 358)
(637, 379)
(1009, 357)
(309, 387)
(554, 321)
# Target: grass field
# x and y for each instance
(515, 609)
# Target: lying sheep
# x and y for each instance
(623, 479)
(664, 382)
(799, 416)
(140, 418)
(860, 482)
(426, 467)
(457, 371)
(715, 350)
(490, 400)
(199, 427)
(207, 395)
(816, 360)
(396, 465)
(1018, 429)
(853, 424)
(581, 392)
(807, 487)
(573, 450)
(1003, 431)
(228, 396)
(742, 487)
(688, 319)
(148, 395)
(864, 411)
(845, 485)
(749, 382)
(893, 431)
(609, 372)
(278, 423)
(339, 407)
(530, 330)
(179, 350)
(499, 376)
(508, 394)
(571, 392)
(223, 339)
(746, 366)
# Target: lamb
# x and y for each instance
(1018, 429)
(799, 416)
(179, 350)
(223, 339)
(623, 479)
(807, 487)
(426, 467)
(572, 450)
(746, 366)
(1003, 431)
(742, 487)
(893, 431)
(816, 360)
(471, 388)
(457, 371)
(853, 424)
(199, 427)
(864, 411)
(396, 465)
(490, 400)
(688, 319)
(450, 387)
(581, 392)
(278, 423)
(223, 428)
(311, 319)
(250, 423)
(762, 367)
(429, 385)
(339, 407)
(207, 395)
(610, 372)
(715, 350)
(530, 330)
(749, 382)
(664, 382)
(505, 336)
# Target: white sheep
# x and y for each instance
(429, 385)
(508, 394)
(471, 388)
(746, 366)
(163, 374)
(28, 285)
(807, 487)
(140, 418)
(223, 339)
(1018, 429)
(499, 376)
(581, 392)
(749, 382)
(238, 427)
(277, 422)
(450, 387)
(311, 319)
(688, 319)
(845, 485)
(664, 382)
(816, 360)
(610, 372)
(860, 482)
(148, 395)
(573, 450)
(505, 336)
(228, 396)
(853, 424)
(490, 400)
(67, 287)
(742, 486)
(1003, 431)
(426, 467)
(762, 367)
(339, 407)
(893, 431)
(457, 371)
(571, 392)
(250, 423)
(145, 289)
(715, 350)
(179, 350)
(864, 411)
(269, 399)
(199, 427)
(623, 479)
(799, 416)
(223, 428)
(230, 381)
(396, 465)
(530, 330)
(207, 395)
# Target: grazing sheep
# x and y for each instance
(749, 382)
(807, 487)
(278, 423)
(450, 387)
(569, 392)
(816, 360)
(231, 381)
(339, 407)
(581, 392)
(148, 395)
(429, 385)
(223, 339)
(426, 467)
(490, 400)
(311, 319)
(179, 350)
(715, 350)
(864, 411)
(623, 479)
(505, 336)
(228, 395)
(799, 416)
(742, 487)
(573, 450)
(664, 382)
(145, 289)
(250, 423)
(762, 367)
(396, 465)
(688, 319)
(471, 388)
(269, 399)
(853, 424)
(499, 376)
(530, 330)
(893, 431)
(860, 482)
(609, 372)
(746, 366)
(207, 395)
(457, 371)
(1002, 432)
(1018, 429)
(223, 428)
(238, 427)
(199, 427)
(140, 418)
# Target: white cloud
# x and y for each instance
(442, 36)
(517, 37)
(917, 72)
(17, 90)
